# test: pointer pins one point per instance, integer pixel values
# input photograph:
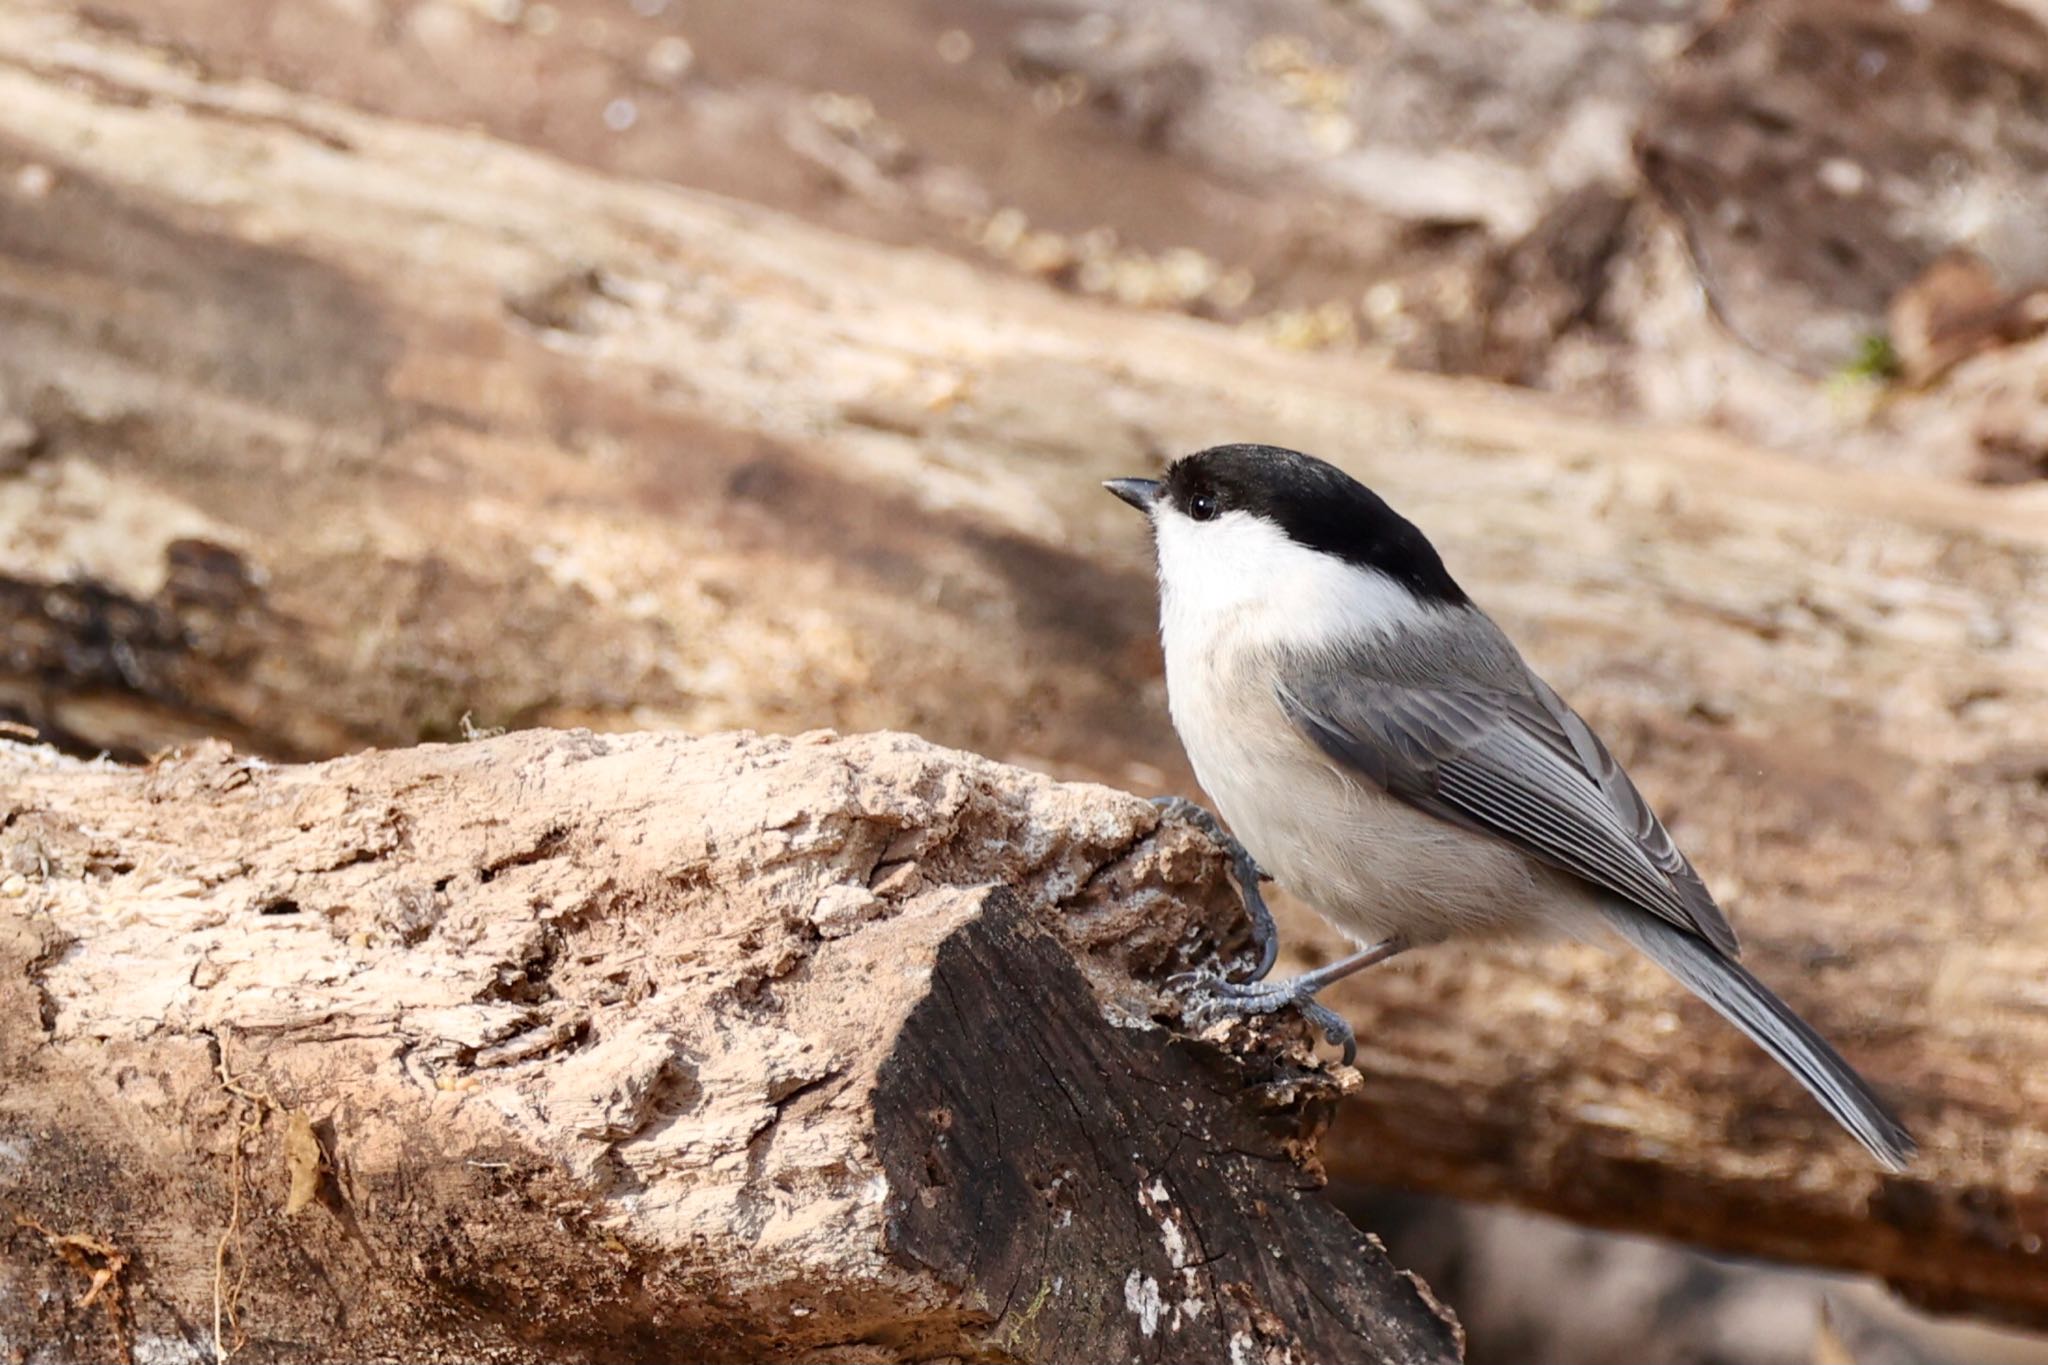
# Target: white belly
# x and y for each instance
(1369, 863)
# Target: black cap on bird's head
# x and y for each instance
(1312, 502)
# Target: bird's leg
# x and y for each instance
(1244, 870)
(1254, 995)
(1233, 997)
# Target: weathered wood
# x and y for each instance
(1036, 1120)
(560, 1046)
(341, 428)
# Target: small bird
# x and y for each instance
(1385, 753)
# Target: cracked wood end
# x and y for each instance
(646, 1047)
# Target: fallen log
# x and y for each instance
(329, 430)
(564, 1046)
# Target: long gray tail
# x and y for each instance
(1749, 1005)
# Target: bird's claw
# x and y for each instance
(1210, 982)
(1244, 870)
(1336, 1031)
(1222, 987)
(1250, 996)
(1180, 808)
(1245, 999)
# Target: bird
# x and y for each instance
(1379, 747)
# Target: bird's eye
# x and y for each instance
(1202, 507)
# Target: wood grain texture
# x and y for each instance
(1183, 1166)
(549, 447)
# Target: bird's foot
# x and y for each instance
(1244, 870)
(1220, 997)
(1213, 997)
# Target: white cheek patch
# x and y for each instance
(1242, 570)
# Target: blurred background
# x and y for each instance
(366, 379)
(1751, 215)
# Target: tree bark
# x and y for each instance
(329, 430)
(560, 1046)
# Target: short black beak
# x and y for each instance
(1139, 493)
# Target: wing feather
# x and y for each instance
(1511, 761)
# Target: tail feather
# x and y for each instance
(1749, 1005)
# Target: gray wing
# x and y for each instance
(1515, 763)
